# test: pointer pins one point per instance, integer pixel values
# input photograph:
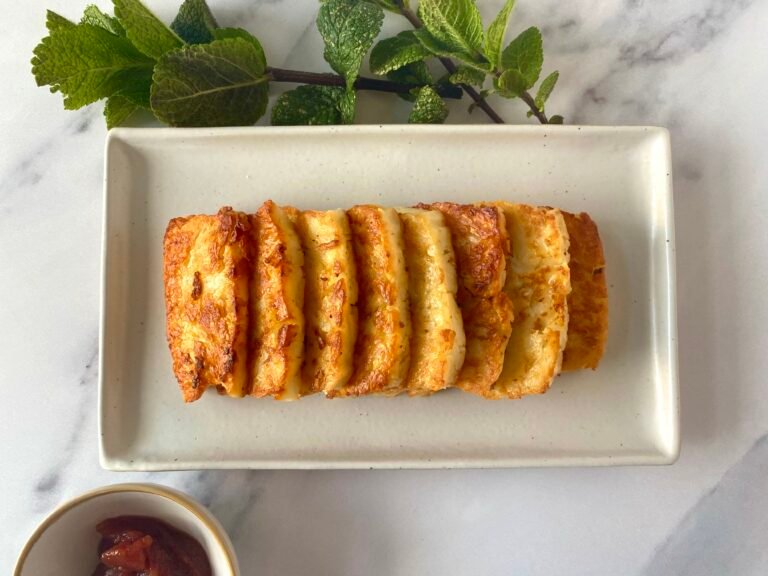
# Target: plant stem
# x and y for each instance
(449, 65)
(326, 79)
(528, 99)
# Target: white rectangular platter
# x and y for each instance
(626, 412)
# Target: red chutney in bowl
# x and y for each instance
(146, 546)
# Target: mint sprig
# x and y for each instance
(195, 73)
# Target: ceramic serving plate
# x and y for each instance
(626, 412)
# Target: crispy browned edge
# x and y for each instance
(289, 332)
(177, 244)
(373, 369)
(485, 308)
(588, 301)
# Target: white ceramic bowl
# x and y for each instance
(65, 543)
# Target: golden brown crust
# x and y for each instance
(276, 305)
(538, 283)
(438, 343)
(588, 301)
(480, 241)
(330, 299)
(382, 347)
(206, 265)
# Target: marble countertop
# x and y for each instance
(696, 67)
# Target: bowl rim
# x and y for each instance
(202, 514)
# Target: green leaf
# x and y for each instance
(455, 25)
(224, 33)
(556, 119)
(494, 38)
(467, 75)
(195, 23)
(308, 106)
(393, 53)
(94, 16)
(429, 108)
(545, 89)
(54, 21)
(511, 84)
(525, 55)
(117, 110)
(348, 28)
(87, 63)
(437, 48)
(218, 84)
(413, 73)
(144, 29)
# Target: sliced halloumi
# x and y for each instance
(538, 282)
(437, 332)
(206, 271)
(381, 356)
(588, 300)
(276, 304)
(330, 303)
(480, 242)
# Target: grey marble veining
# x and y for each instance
(695, 66)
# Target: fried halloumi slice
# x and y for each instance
(538, 282)
(480, 241)
(384, 328)
(276, 305)
(438, 343)
(588, 300)
(206, 266)
(330, 303)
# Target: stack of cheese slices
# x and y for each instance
(493, 298)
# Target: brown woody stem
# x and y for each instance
(325, 79)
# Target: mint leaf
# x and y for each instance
(456, 25)
(429, 108)
(218, 84)
(308, 106)
(413, 73)
(117, 110)
(144, 29)
(94, 16)
(393, 53)
(545, 89)
(348, 28)
(194, 23)
(395, 6)
(556, 119)
(511, 84)
(494, 38)
(525, 55)
(466, 75)
(87, 63)
(224, 33)
(54, 21)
